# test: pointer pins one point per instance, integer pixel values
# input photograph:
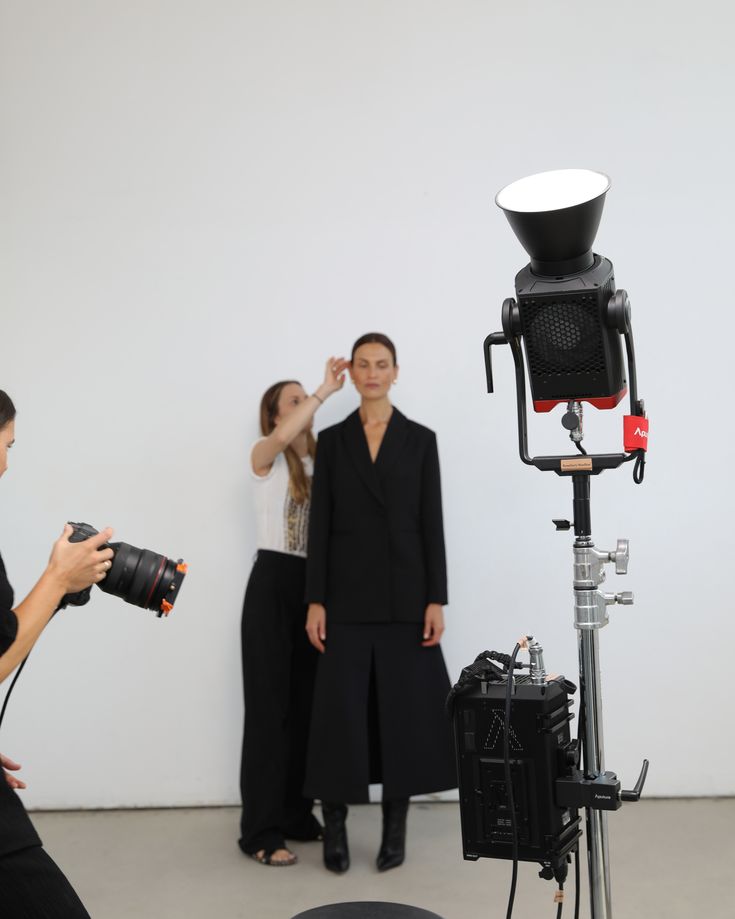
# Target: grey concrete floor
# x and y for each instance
(671, 859)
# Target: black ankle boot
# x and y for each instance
(336, 851)
(393, 847)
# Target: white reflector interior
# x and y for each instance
(552, 191)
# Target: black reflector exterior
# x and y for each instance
(559, 242)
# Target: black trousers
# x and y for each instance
(32, 886)
(279, 665)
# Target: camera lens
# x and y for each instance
(144, 578)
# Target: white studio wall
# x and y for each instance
(201, 198)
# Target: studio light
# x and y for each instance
(563, 312)
(570, 320)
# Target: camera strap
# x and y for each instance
(15, 679)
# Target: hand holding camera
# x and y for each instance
(137, 576)
(78, 565)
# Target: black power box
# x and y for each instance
(540, 751)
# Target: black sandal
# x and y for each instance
(264, 857)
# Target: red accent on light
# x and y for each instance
(635, 433)
(157, 579)
(602, 402)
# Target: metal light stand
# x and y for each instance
(596, 790)
(590, 615)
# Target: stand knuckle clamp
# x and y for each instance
(590, 610)
(600, 793)
(590, 604)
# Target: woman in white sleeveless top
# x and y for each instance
(278, 661)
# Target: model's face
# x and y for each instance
(292, 395)
(7, 439)
(373, 371)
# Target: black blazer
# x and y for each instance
(376, 537)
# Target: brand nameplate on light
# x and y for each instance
(583, 464)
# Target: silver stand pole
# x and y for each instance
(597, 847)
(590, 609)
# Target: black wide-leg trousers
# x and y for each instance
(32, 886)
(279, 665)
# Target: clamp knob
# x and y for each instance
(625, 598)
(621, 556)
(618, 312)
(635, 793)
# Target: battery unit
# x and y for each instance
(540, 752)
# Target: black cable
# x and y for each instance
(509, 781)
(640, 467)
(580, 448)
(504, 659)
(561, 902)
(7, 694)
(640, 464)
(576, 882)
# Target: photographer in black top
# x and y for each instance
(31, 884)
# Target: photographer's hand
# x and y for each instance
(78, 564)
(72, 567)
(7, 763)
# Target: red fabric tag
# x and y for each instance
(635, 433)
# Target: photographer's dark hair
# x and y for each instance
(375, 338)
(298, 480)
(7, 409)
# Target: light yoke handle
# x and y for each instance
(494, 338)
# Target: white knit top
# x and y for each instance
(281, 524)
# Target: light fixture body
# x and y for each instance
(573, 347)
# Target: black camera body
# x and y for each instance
(138, 576)
(540, 751)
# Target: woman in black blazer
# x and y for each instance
(376, 584)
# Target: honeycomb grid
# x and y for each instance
(563, 337)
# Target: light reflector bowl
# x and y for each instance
(555, 216)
